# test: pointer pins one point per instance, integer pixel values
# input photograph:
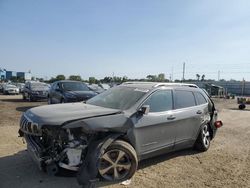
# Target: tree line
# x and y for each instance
(116, 79)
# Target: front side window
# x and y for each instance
(184, 99)
(160, 101)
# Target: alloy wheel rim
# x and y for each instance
(206, 136)
(114, 165)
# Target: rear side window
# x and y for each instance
(184, 99)
(160, 101)
(200, 99)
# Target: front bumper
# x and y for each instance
(69, 100)
(35, 151)
(39, 97)
(12, 92)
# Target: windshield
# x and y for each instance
(36, 86)
(118, 98)
(105, 86)
(95, 88)
(74, 86)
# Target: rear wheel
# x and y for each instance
(204, 138)
(119, 162)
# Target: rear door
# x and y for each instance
(156, 130)
(188, 117)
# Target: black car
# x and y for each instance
(69, 91)
(34, 91)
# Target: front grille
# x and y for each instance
(28, 127)
(42, 93)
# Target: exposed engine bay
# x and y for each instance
(55, 148)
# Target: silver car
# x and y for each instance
(9, 89)
(105, 137)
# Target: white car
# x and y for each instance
(10, 89)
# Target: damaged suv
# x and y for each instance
(105, 137)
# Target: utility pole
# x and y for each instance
(172, 77)
(183, 72)
(243, 87)
(218, 75)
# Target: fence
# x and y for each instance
(241, 88)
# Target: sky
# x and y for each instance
(126, 38)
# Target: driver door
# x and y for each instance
(156, 130)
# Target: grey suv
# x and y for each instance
(34, 91)
(105, 137)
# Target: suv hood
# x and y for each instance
(60, 113)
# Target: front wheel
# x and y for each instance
(49, 100)
(30, 98)
(203, 140)
(119, 162)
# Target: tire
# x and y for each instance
(62, 101)
(242, 106)
(118, 162)
(49, 100)
(31, 99)
(24, 98)
(204, 138)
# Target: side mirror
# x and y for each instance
(144, 109)
(58, 90)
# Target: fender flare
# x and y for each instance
(88, 171)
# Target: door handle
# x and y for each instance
(171, 117)
(199, 112)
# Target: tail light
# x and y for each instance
(218, 124)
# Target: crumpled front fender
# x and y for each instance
(88, 172)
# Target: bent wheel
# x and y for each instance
(119, 162)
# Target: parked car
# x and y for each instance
(69, 91)
(104, 86)
(105, 137)
(1, 87)
(20, 86)
(9, 89)
(34, 91)
(96, 88)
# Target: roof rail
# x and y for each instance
(175, 84)
(124, 83)
(160, 84)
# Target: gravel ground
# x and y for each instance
(225, 164)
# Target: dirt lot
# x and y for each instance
(226, 164)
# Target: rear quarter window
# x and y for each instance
(200, 99)
(184, 99)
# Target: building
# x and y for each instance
(8, 75)
(2, 74)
